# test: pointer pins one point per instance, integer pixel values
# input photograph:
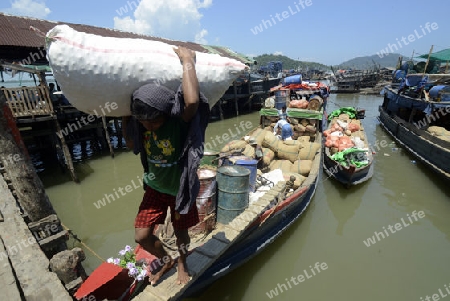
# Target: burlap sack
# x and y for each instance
(234, 144)
(258, 134)
(299, 128)
(288, 152)
(303, 139)
(293, 142)
(309, 151)
(298, 178)
(284, 165)
(304, 122)
(302, 167)
(293, 121)
(268, 156)
(271, 141)
(249, 151)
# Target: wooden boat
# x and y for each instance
(347, 157)
(353, 80)
(419, 122)
(283, 185)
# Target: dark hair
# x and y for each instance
(141, 110)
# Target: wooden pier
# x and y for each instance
(24, 267)
(54, 127)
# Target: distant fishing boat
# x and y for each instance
(347, 157)
(352, 81)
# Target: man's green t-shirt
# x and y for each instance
(163, 148)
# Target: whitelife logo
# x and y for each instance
(398, 226)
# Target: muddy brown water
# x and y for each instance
(405, 264)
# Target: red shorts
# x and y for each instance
(153, 211)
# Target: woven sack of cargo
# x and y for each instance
(234, 145)
(298, 178)
(308, 151)
(258, 134)
(315, 103)
(93, 70)
(288, 152)
(268, 156)
(284, 165)
(249, 151)
(293, 142)
(304, 139)
(293, 121)
(302, 167)
(438, 131)
(271, 141)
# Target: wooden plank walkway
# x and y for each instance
(24, 268)
(218, 241)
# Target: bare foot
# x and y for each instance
(154, 278)
(183, 273)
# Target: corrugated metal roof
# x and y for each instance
(15, 32)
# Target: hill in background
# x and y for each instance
(362, 63)
(289, 63)
(367, 62)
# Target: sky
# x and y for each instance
(324, 31)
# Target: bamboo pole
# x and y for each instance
(427, 98)
(428, 60)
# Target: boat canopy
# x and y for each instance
(443, 55)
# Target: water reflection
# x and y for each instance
(344, 202)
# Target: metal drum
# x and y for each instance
(233, 190)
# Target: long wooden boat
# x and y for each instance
(353, 81)
(347, 157)
(283, 185)
(419, 123)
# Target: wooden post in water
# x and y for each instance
(66, 152)
(118, 133)
(235, 98)
(108, 140)
(19, 169)
(220, 109)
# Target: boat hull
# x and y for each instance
(259, 236)
(347, 176)
(428, 149)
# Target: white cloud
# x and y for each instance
(171, 19)
(29, 8)
(278, 53)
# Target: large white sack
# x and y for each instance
(93, 70)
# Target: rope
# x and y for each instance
(79, 240)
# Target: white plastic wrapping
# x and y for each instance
(93, 70)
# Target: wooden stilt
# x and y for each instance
(118, 132)
(108, 140)
(235, 98)
(220, 109)
(66, 153)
